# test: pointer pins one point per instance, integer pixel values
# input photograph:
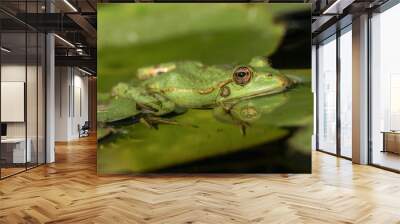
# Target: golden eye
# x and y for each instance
(242, 75)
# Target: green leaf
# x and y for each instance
(197, 136)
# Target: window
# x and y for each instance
(22, 77)
(385, 89)
(327, 95)
(345, 92)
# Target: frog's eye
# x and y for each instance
(242, 75)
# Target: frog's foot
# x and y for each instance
(225, 115)
(153, 122)
(242, 124)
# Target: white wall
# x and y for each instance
(62, 82)
(71, 102)
(33, 126)
(13, 101)
(12, 73)
(81, 84)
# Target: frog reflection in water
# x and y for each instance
(175, 87)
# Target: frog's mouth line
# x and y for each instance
(287, 84)
(256, 94)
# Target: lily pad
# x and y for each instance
(197, 136)
(301, 140)
(103, 132)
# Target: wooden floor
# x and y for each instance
(387, 159)
(70, 192)
(10, 171)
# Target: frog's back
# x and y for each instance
(190, 84)
(188, 75)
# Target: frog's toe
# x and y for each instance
(145, 109)
(163, 120)
(153, 122)
(243, 127)
(147, 123)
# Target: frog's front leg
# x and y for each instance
(249, 111)
(146, 101)
(152, 106)
(226, 114)
(149, 105)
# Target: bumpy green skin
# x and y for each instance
(191, 84)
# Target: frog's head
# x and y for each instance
(252, 81)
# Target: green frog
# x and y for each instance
(175, 87)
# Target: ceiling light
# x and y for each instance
(84, 71)
(327, 11)
(5, 50)
(79, 51)
(65, 41)
(337, 7)
(70, 5)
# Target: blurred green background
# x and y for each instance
(131, 36)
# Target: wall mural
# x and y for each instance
(204, 88)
